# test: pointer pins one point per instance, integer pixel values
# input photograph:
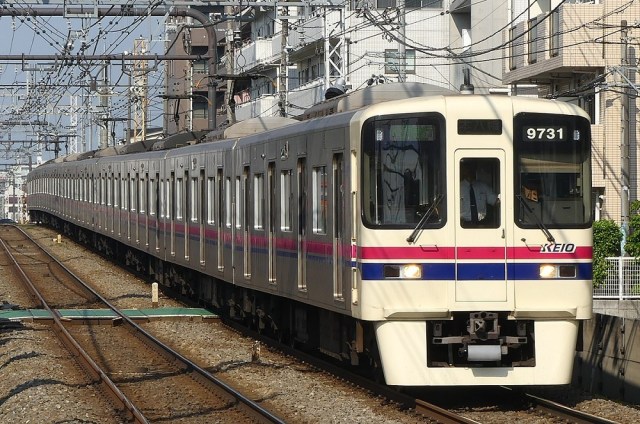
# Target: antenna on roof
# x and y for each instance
(466, 87)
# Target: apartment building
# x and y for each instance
(586, 53)
(281, 60)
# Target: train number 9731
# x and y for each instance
(554, 133)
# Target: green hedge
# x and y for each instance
(606, 242)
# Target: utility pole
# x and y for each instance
(624, 135)
(231, 45)
(73, 123)
(284, 62)
(104, 108)
(402, 53)
(140, 92)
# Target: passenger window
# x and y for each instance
(480, 193)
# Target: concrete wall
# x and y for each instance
(608, 358)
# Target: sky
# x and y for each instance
(28, 90)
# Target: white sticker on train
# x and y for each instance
(558, 248)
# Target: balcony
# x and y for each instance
(551, 49)
(259, 53)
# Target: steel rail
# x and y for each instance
(119, 398)
(565, 413)
(421, 407)
(250, 407)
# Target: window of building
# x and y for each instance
(200, 108)
(409, 4)
(533, 40)
(512, 50)
(392, 61)
(554, 30)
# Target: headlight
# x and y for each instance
(548, 271)
(405, 272)
(557, 271)
(411, 271)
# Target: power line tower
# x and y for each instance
(73, 124)
(139, 91)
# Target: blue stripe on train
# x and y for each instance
(476, 271)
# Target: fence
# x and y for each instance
(623, 280)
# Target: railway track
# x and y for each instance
(440, 411)
(430, 411)
(556, 410)
(145, 380)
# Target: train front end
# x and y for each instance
(480, 286)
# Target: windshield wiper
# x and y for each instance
(425, 218)
(537, 220)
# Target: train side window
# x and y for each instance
(193, 200)
(211, 198)
(319, 200)
(125, 193)
(227, 202)
(142, 192)
(153, 183)
(480, 193)
(135, 180)
(116, 191)
(258, 201)
(286, 200)
(239, 203)
(178, 199)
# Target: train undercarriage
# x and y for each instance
(312, 329)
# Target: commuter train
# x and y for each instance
(342, 231)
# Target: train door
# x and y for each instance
(480, 239)
(246, 235)
(271, 213)
(171, 212)
(135, 205)
(202, 216)
(102, 211)
(302, 224)
(155, 204)
(112, 201)
(145, 207)
(127, 205)
(117, 202)
(187, 188)
(338, 226)
(219, 204)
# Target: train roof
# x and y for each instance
(179, 140)
(372, 95)
(251, 126)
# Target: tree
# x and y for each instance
(632, 244)
(606, 243)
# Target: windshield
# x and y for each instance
(403, 170)
(553, 170)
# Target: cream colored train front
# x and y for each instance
(473, 289)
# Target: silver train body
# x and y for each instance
(344, 232)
